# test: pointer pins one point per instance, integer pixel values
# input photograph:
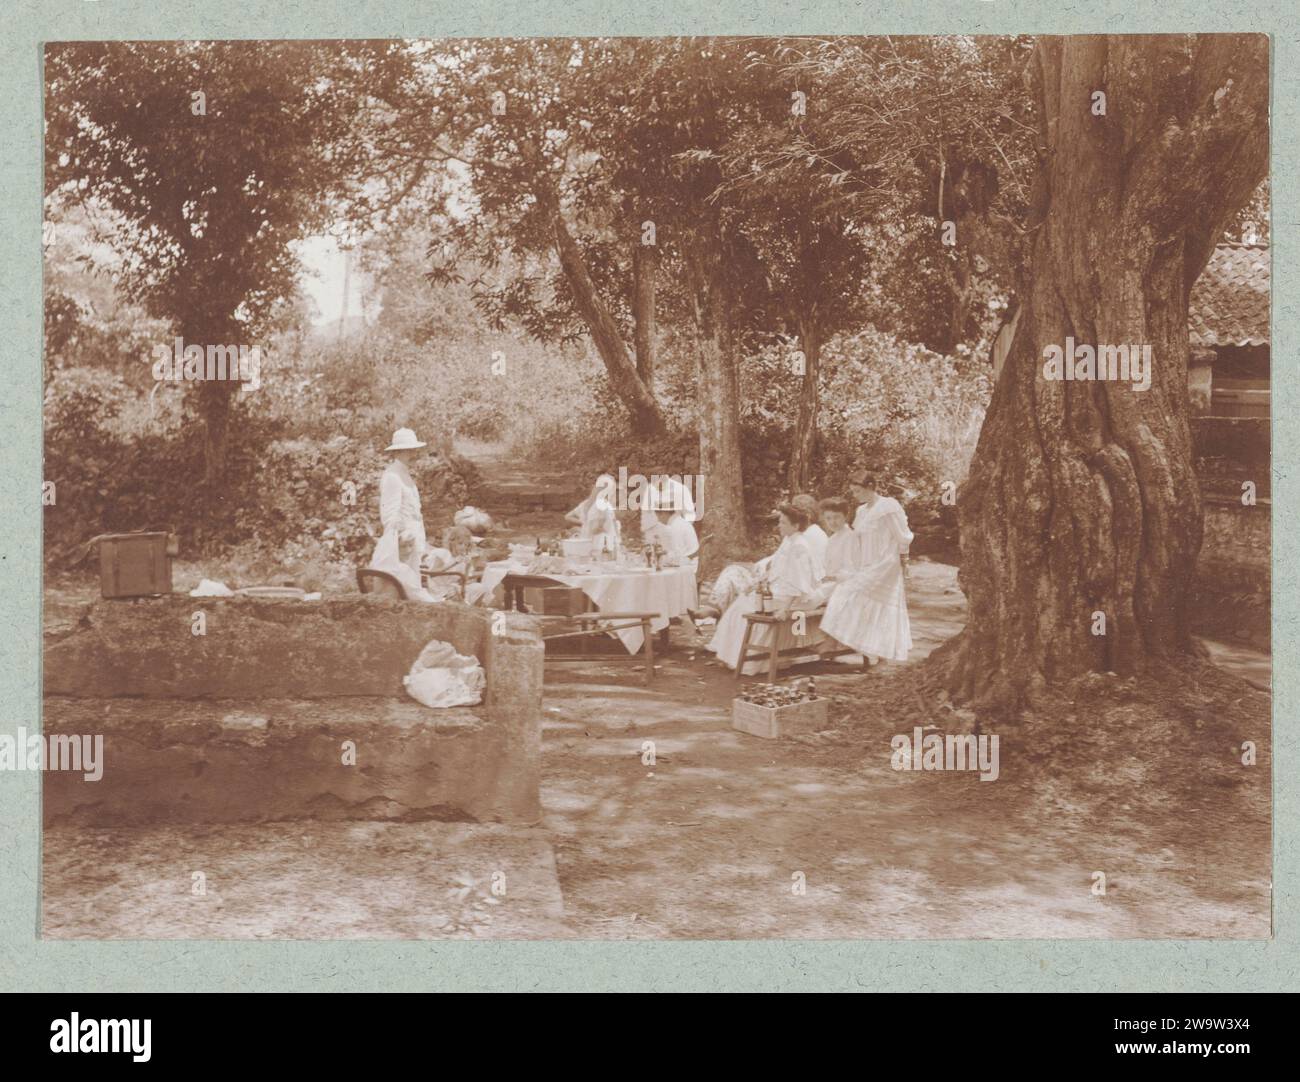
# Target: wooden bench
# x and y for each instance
(599, 624)
(771, 650)
(590, 625)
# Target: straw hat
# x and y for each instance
(404, 440)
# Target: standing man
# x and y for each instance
(401, 546)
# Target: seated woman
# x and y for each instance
(742, 578)
(790, 573)
(595, 516)
(843, 551)
(867, 611)
(814, 534)
(665, 490)
(456, 554)
(676, 537)
(401, 546)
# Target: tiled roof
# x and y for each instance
(1229, 302)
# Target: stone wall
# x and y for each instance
(148, 648)
(1236, 545)
(253, 719)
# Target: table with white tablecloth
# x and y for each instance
(668, 593)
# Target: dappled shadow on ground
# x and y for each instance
(300, 880)
(725, 835)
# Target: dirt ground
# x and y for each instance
(731, 836)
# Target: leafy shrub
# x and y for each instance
(912, 415)
(300, 498)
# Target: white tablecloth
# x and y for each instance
(669, 592)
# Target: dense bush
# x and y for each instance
(912, 415)
(293, 496)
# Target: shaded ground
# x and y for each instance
(715, 838)
(301, 880)
(712, 839)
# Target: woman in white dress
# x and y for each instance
(791, 574)
(814, 534)
(868, 610)
(595, 516)
(401, 547)
(843, 551)
(742, 578)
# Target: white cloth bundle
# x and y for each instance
(441, 677)
(474, 520)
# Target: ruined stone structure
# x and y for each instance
(290, 709)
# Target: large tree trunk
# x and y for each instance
(645, 270)
(805, 433)
(1081, 497)
(647, 420)
(717, 407)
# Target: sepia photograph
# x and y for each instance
(656, 488)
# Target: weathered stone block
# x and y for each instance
(225, 761)
(248, 720)
(250, 647)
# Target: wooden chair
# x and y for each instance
(460, 576)
(373, 581)
(771, 650)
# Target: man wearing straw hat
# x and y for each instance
(402, 545)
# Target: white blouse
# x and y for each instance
(817, 541)
(883, 529)
(843, 553)
(792, 570)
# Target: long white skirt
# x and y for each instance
(386, 558)
(868, 611)
(730, 633)
(732, 581)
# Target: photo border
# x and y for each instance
(29, 964)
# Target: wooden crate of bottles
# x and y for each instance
(776, 710)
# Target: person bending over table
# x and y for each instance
(595, 516)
